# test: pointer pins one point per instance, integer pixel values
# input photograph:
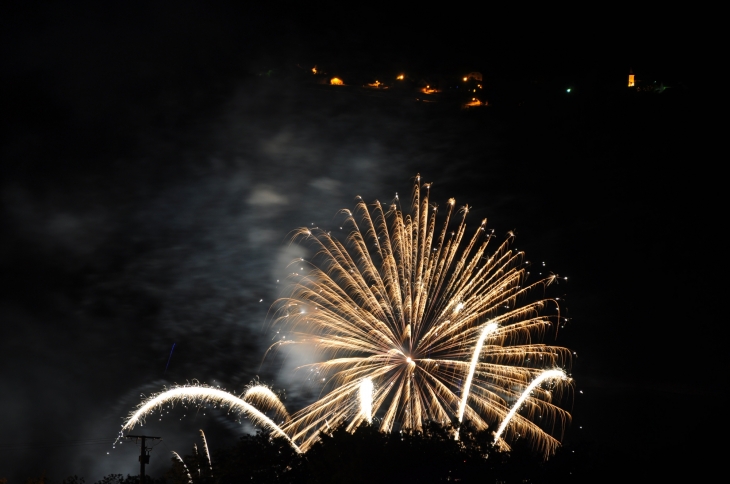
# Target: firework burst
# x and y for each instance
(444, 328)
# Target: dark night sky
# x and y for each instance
(150, 177)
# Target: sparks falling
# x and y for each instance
(441, 327)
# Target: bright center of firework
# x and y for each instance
(409, 360)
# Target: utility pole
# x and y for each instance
(144, 455)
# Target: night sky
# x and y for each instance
(155, 158)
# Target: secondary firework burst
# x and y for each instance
(445, 325)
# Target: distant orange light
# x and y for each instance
(314, 70)
(401, 77)
(336, 82)
(474, 102)
(631, 80)
(465, 79)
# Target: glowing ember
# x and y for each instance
(336, 82)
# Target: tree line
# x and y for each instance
(369, 456)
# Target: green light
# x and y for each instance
(567, 90)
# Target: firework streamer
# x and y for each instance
(169, 358)
(200, 395)
(196, 455)
(185, 467)
(207, 452)
(546, 375)
(366, 399)
(488, 329)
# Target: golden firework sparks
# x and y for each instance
(199, 395)
(264, 399)
(441, 327)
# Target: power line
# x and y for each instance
(56, 443)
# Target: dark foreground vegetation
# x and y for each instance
(369, 456)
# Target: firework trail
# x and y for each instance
(200, 395)
(185, 467)
(207, 452)
(196, 455)
(402, 303)
(546, 375)
(488, 329)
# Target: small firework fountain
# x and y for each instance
(411, 327)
